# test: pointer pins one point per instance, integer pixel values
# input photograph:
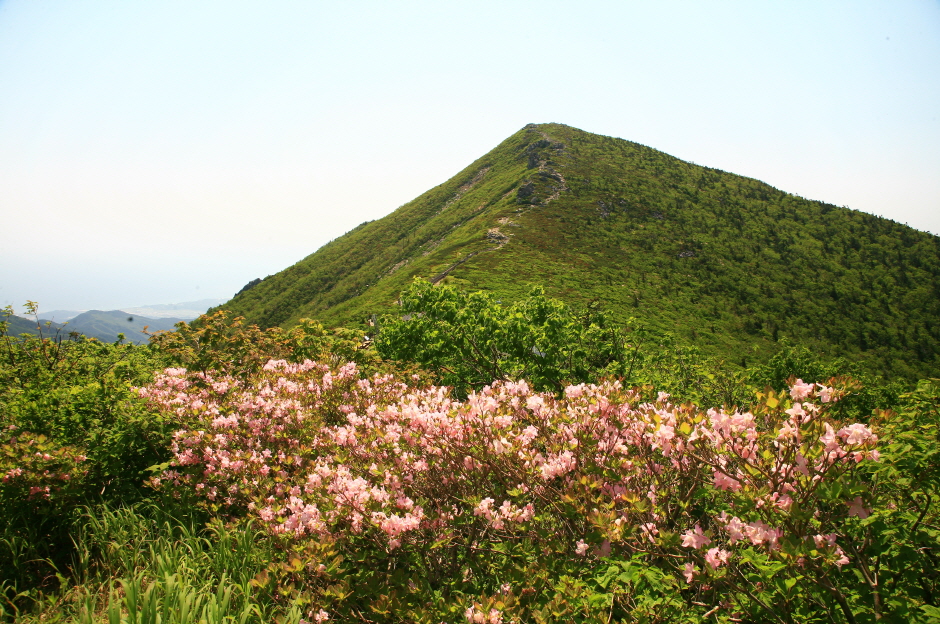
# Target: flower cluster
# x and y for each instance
(313, 451)
(34, 467)
(479, 616)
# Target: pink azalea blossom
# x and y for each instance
(856, 434)
(695, 538)
(857, 508)
(724, 482)
(311, 450)
(842, 560)
(800, 390)
(716, 557)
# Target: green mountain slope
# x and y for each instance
(17, 325)
(723, 261)
(106, 325)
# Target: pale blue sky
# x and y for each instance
(154, 152)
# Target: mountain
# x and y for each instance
(59, 316)
(186, 310)
(18, 325)
(106, 326)
(722, 261)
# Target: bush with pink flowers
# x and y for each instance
(607, 502)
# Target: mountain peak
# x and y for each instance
(727, 262)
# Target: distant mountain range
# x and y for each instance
(186, 310)
(106, 325)
(721, 261)
(100, 324)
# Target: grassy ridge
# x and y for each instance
(722, 261)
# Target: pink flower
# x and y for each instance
(800, 390)
(724, 482)
(476, 616)
(760, 533)
(558, 465)
(581, 548)
(787, 432)
(695, 538)
(485, 508)
(829, 440)
(856, 434)
(857, 508)
(688, 572)
(535, 404)
(734, 527)
(716, 557)
(650, 531)
(796, 412)
(528, 434)
(573, 392)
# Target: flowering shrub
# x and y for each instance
(34, 468)
(736, 507)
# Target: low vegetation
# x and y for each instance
(470, 460)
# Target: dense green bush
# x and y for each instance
(72, 432)
(467, 340)
(470, 339)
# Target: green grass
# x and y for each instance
(143, 565)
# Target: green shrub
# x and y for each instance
(72, 432)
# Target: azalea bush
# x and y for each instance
(391, 500)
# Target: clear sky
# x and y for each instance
(157, 152)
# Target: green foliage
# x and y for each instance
(141, 564)
(215, 343)
(72, 432)
(470, 339)
(902, 535)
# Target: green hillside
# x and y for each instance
(728, 263)
(103, 325)
(106, 325)
(17, 325)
